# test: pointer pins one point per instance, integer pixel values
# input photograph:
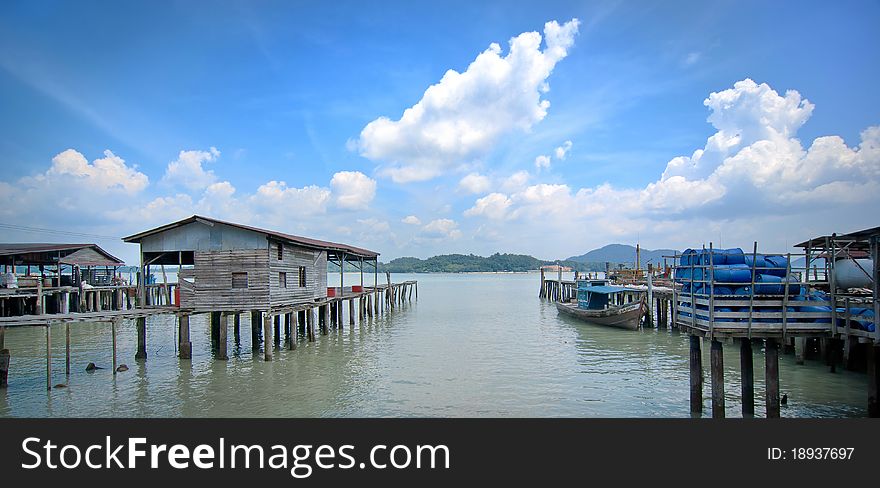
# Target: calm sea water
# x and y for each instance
(472, 345)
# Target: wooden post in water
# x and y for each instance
(771, 371)
(222, 329)
(141, 338)
(800, 349)
(873, 380)
(325, 313)
(696, 362)
(113, 333)
(49, 355)
(66, 348)
(649, 318)
(236, 328)
(268, 350)
(215, 330)
(184, 346)
(277, 336)
(717, 367)
(310, 324)
(351, 311)
(748, 377)
(4, 366)
(290, 319)
(256, 326)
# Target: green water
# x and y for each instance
(472, 345)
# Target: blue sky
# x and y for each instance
(285, 93)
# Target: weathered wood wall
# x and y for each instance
(212, 280)
(292, 257)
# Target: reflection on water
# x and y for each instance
(472, 345)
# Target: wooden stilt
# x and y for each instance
(113, 333)
(222, 329)
(310, 324)
(277, 332)
(873, 380)
(717, 370)
(290, 319)
(325, 314)
(850, 344)
(5, 358)
(696, 363)
(236, 328)
(748, 377)
(66, 348)
(141, 338)
(771, 371)
(800, 349)
(351, 311)
(256, 326)
(49, 356)
(184, 346)
(268, 350)
(215, 330)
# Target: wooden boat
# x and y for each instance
(614, 306)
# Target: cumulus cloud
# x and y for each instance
(516, 181)
(107, 173)
(751, 170)
(187, 169)
(562, 151)
(462, 117)
(441, 229)
(374, 225)
(353, 189)
(493, 206)
(542, 162)
(411, 220)
(475, 183)
(278, 197)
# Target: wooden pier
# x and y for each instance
(268, 326)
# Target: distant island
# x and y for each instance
(616, 254)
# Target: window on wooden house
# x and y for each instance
(302, 276)
(239, 280)
(280, 251)
(282, 279)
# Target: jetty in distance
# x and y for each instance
(223, 269)
(822, 299)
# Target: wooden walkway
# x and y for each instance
(266, 324)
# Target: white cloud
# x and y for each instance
(107, 173)
(542, 162)
(753, 172)
(374, 225)
(353, 189)
(562, 151)
(306, 200)
(187, 170)
(493, 206)
(462, 117)
(516, 181)
(441, 229)
(475, 183)
(411, 220)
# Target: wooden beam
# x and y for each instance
(222, 354)
(268, 350)
(184, 346)
(141, 338)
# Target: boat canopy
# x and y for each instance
(608, 290)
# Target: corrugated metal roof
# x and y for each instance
(305, 241)
(19, 248)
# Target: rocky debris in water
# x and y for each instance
(122, 368)
(92, 367)
(60, 385)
